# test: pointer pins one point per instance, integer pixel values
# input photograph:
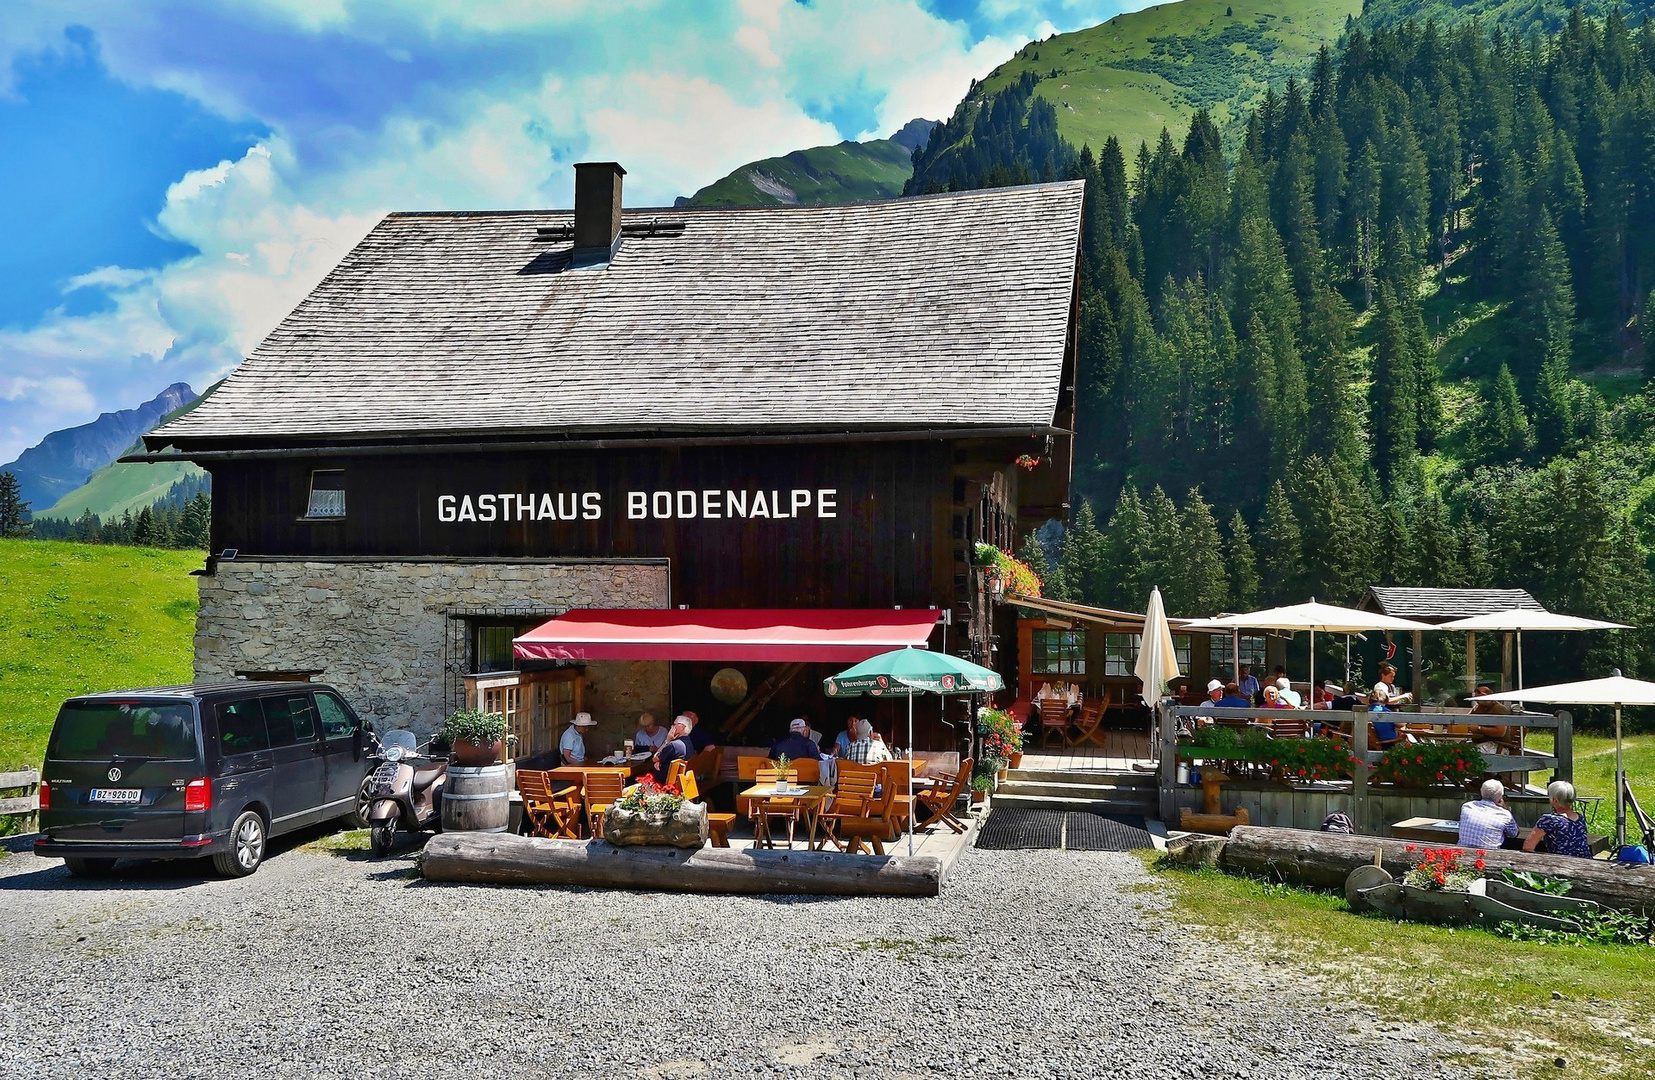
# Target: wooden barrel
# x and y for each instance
(477, 799)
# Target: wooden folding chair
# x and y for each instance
(872, 826)
(550, 813)
(675, 772)
(604, 788)
(941, 800)
(897, 773)
(718, 825)
(1288, 728)
(1054, 720)
(852, 797)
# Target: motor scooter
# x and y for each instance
(404, 791)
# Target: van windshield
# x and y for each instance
(100, 730)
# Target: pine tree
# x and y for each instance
(1243, 565)
(1543, 321)
(1128, 559)
(1199, 584)
(143, 529)
(1554, 419)
(1281, 552)
(1394, 413)
(1503, 431)
(1436, 544)
(1081, 562)
(14, 510)
(1165, 542)
(1033, 555)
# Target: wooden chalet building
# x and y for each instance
(483, 420)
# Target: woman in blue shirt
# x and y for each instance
(1563, 831)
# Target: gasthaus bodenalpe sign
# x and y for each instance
(706, 504)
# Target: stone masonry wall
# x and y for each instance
(377, 630)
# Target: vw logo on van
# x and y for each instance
(114, 776)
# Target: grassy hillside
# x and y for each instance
(1146, 70)
(846, 172)
(1524, 16)
(81, 617)
(116, 488)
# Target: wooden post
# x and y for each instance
(1505, 661)
(1564, 747)
(1418, 675)
(1470, 663)
(1359, 776)
(1169, 761)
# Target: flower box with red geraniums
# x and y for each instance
(650, 796)
(1418, 765)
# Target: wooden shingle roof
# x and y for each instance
(950, 310)
(1443, 605)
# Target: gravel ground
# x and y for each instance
(324, 965)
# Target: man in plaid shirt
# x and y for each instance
(865, 749)
(1486, 823)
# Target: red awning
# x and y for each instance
(776, 635)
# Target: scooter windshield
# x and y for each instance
(400, 737)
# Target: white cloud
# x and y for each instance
(444, 104)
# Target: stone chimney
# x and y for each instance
(597, 211)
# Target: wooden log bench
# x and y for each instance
(503, 859)
(1323, 860)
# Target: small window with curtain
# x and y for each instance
(1059, 652)
(1120, 653)
(327, 494)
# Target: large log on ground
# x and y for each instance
(1323, 860)
(502, 859)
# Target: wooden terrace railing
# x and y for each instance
(1561, 761)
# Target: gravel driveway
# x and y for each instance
(323, 965)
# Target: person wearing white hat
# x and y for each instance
(1215, 690)
(796, 744)
(573, 743)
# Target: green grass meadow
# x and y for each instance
(81, 617)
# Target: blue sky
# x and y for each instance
(181, 172)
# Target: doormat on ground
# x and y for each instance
(1016, 829)
(1095, 832)
(1022, 830)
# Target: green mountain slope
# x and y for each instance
(1146, 70)
(844, 172)
(1523, 16)
(117, 488)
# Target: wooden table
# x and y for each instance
(813, 798)
(1442, 831)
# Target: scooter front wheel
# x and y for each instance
(381, 836)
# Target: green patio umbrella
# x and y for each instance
(906, 673)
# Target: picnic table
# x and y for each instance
(1447, 832)
(812, 800)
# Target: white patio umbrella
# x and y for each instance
(1520, 619)
(1157, 658)
(1616, 690)
(1312, 616)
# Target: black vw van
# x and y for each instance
(179, 772)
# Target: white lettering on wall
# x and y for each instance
(710, 504)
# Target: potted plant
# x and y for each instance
(1438, 887)
(1417, 765)
(1002, 738)
(475, 739)
(980, 787)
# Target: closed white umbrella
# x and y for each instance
(1616, 690)
(1312, 616)
(1520, 619)
(1157, 658)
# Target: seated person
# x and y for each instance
(813, 735)
(1284, 690)
(841, 744)
(1487, 823)
(1490, 738)
(676, 747)
(572, 746)
(865, 749)
(1233, 697)
(1563, 831)
(796, 744)
(651, 735)
(1385, 692)
(1215, 694)
(700, 738)
(1346, 698)
(1272, 698)
(1495, 708)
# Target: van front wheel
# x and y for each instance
(89, 868)
(247, 844)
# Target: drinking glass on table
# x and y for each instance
(629, 744)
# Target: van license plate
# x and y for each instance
(117, 794)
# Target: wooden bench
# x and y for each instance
(718, 825)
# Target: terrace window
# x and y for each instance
(1222, 663)
(1059, 652)
(1120, 653)
(327, 494)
